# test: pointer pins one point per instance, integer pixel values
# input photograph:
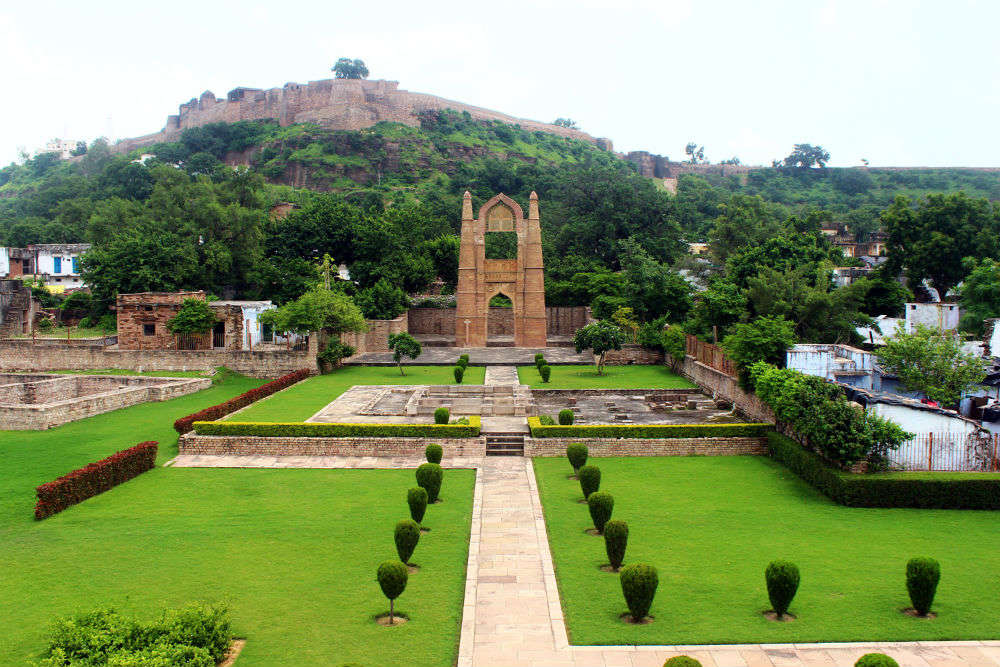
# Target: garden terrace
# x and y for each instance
(35, 402)
(711, 525)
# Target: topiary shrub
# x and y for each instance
(407, 535)
(639, 582)
(392, 576)
(546, 420)
(463, 361)
(433, 453)
(565, 417)
(430, 476)
(576, 452)
(416, 498)
(463, 357)
(615, 541)
(459, 373)
(681, 661)
(601, 504)
(545, 372)
(922, 577)
(590, 479)
(442, 415)
(539, 357)
(875, 660)
(782, 580)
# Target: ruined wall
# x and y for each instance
(376, 339)
(660, 166)
(633, 354)
(339, 104)
(138, 313)
(560, 320)
(720, 385)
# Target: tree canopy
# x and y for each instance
(194, 316)
(345, 68)
(932, 362)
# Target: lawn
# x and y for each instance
(614, 377)
(304, 399)
(292, 552)
(711, 525)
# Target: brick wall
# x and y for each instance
(141, 312)
(376, 339)
(21, 355)
(649, 446)
(242, 445)
(633, 354)
(560, 320)
(719, 385)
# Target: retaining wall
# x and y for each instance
(719, 385)
(649, 446)
(241, 445)
(633, 354)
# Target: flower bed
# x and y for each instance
(184, 424)
(94, 478)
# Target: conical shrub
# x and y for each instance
(615, 542)
(782, 579)
(407, 535)
(416, 498)
(590, 479)
(601, 505)
(639, 582)
(922, 577)
(430, 476)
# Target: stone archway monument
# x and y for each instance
(480, 279)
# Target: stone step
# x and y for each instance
(504, 444)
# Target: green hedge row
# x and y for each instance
(310, 430)
(924, 490)
(649, 430)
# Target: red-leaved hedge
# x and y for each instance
(94, 478)
(185, 424)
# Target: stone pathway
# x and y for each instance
(512, 615)
(501, 376)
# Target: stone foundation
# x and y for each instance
(649, 446)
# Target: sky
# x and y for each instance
(901, 83)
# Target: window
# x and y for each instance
(148, 329)
(147, 308)
(57, 265)
(76, 265)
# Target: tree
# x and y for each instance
(652, 289)
(806, 156)
(599, 337)
(743, 221)
(319, 309)
(382, 301)
(345, 68)
(764, 339)
(566, 122)
(930, 241)
(695, 153)
(932, 362)
(979, 295)
(194, 316)
(403, 345)
(720, 305)
(781, 253)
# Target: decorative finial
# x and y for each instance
(467, 195)
(533, 195)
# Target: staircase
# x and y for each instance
(504, 444)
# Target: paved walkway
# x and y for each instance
(512, 615)
(501, 376)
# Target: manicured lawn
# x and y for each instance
(304, 399)
(711, 525)
(614, 377)
(293, 553)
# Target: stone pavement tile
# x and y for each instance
(846, 657)
(991, 652)
(756, 658)
(973, 656)
(730, 658)
(784, 657)
(814, 657)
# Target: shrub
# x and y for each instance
(466, 429)
(601, 505)
(464, 358)
(538, 430)
(459, 373)
(681, 661)
(392, 577)
(545, 372)
(430, 476)
(590, 479)
(945, 491)
(577, 452)
(333, 353)
(416, 498)
(433, 453)
(406, 535)
(639, 582)
(615, 542)
(539, 357)
(566, 417)
(782, 579)
(546, 420)
(875, 660)
(922, 577)
(94, 478)
(442, 415)
(185, 424)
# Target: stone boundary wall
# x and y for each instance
(633, 354)
(40, 416)
(23, 356)
(376, 339)
(241, 445)
(569, 393)
(719, 385)
(559, 320)
(649, 446)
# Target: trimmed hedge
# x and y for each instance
(318, 430)
(94, 478)
(928, 491)
(538, 430)
(185, 424)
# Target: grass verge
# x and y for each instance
(614, 377)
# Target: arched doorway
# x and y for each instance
(501, 325)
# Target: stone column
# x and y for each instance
(532, 333)
(471, 252)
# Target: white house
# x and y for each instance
(942, 316)
(58, 264)
(4, 262)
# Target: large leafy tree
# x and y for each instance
(194, 316)
(979, 295)
(743, 221)
(805, 156)
(345, 68)
(653, 289)
(932, 362)
(319, 309)
(930, 241)
(599, 337)
(720, 305)
(764, 339)
(782, 253)
(151, 261)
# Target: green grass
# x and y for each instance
(293, 553)
(711, 525)
(304, 399)
(614, 377)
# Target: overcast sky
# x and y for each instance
(896, 82)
